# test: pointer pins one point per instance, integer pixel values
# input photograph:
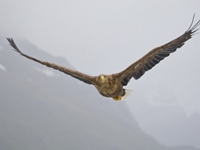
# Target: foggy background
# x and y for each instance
(106, 36)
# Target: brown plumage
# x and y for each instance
(112, 85)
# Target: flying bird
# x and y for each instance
(112, 85)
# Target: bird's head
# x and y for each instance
(102, 78)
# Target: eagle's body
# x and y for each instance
(112, 85)
(109, 86)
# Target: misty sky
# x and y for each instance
(108, 35)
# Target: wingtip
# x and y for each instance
(13, 45)
(193, 28)
(10, 40)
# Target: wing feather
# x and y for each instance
(78, 75)
(137, 69)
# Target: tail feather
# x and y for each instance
(127, 93)
(119, 98)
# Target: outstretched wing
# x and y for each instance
(137, 69)
(78, 75)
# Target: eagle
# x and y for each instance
(112, 86)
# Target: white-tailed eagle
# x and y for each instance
(112, 85)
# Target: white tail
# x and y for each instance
(127, 93)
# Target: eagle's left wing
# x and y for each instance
(137, 69)
(78, 75)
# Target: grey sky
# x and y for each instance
(108, 35)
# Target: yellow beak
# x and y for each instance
(102, 79)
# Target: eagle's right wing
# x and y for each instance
(78, 75)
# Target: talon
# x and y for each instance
(117, 98)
